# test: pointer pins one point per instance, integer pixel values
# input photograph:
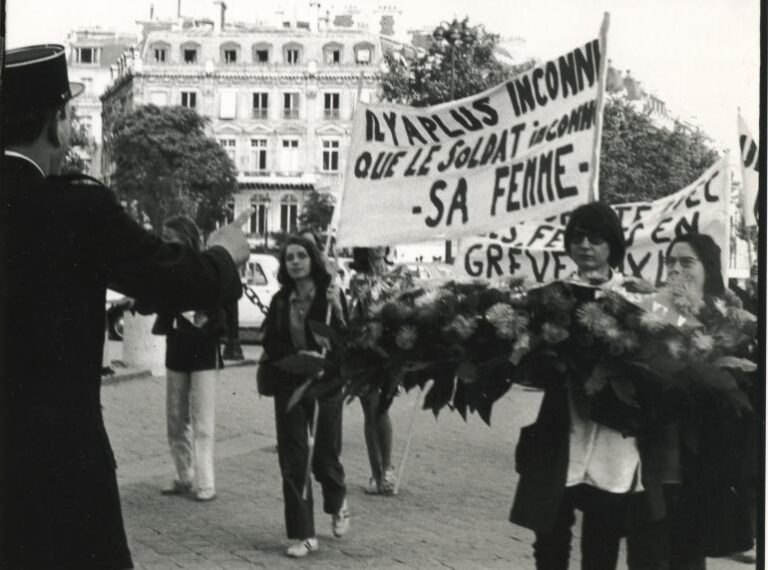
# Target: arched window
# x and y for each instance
(289, 213)
(364, 53)
(292, 53)
(159, 52)
(332, 53)
(230, 53)
(190, 52)
(262, 53)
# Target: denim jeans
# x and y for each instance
(293, 453)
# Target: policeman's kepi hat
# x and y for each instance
(35, 77)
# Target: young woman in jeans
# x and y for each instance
(307, 290)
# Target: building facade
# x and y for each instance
(90, 53)
(280, 101)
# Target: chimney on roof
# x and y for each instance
(178, 9)
(151, 12)
(218, 22)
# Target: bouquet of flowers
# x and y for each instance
(625, 345)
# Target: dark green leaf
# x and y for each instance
(298, 394)
(302, 364)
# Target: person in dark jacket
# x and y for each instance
(64, 240)
(192, 360)
(567, 460)
(306, 293)
(704, 460)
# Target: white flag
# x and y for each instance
(750, 177)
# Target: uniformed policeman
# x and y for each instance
(64, 240)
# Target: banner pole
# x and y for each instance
(327, 251)
(594, 193)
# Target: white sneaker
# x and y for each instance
(388, 482)
(340, 521)
(373, 487)
(205, 495)
(301, 548)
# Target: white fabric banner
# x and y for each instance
(536, 252)
(750, 175)
(523, 150)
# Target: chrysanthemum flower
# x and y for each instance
(462, 326)
(651, 321)
(429, 297)
(406, 337)
(553, 334)
(592, 316)
(702, 342)
(507, 322)
(675, 347)
(684, 297)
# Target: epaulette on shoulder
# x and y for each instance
(83, 180)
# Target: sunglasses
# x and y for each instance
(594, 238)
(685, 262)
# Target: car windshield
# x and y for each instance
(254, 274)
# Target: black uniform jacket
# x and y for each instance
(65, 240)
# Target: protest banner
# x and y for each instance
(750, 175)
(536, 251)
(523, 150)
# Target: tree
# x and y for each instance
(641, 161)
(465, 69)
(79, 148)
(165, 165)
(317, 212)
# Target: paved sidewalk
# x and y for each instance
(451, 513)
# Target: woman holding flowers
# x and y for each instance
(566, 460)
(704, 461)
(370, 287)
(307, 290)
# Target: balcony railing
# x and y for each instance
(290, 113)
(331, 113)
(260, 113)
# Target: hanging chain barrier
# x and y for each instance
(254, 298)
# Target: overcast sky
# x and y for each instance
(701, 56)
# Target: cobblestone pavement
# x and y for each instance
(451, 511)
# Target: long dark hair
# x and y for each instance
(709, 255)
(361, 259)
(599, 218)
(186, 229)
(318, 271)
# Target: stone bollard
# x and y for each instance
(141, 348)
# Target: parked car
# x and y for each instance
(259, 276)
(429, 273)
(117, 303)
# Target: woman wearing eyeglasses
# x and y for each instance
(704, 462)
(566, 460)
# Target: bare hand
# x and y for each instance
(232, 238)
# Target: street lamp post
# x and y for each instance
(455, 34)
(266, 223)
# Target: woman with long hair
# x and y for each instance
(372, 283)
(306, 293)
(703, 461)
(191, 359)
